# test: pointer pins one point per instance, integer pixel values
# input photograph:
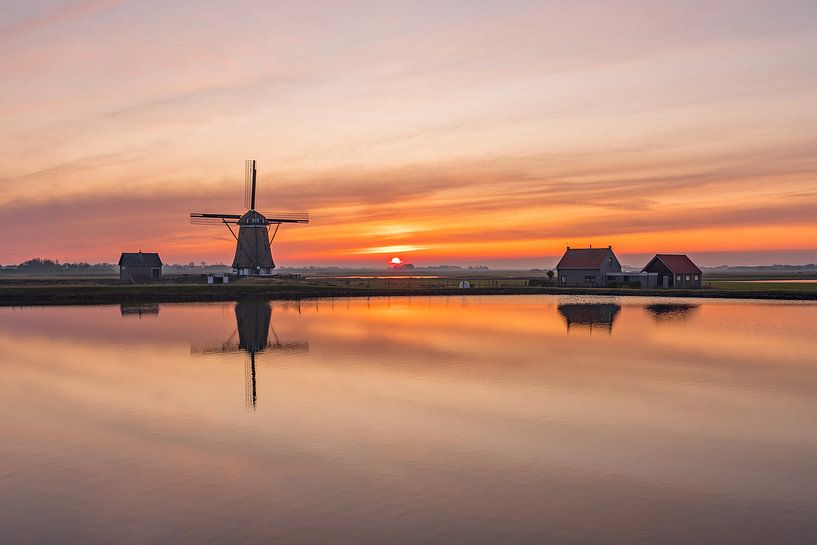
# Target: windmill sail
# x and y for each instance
(252, 197)
(286, 217)
(249, 167)
(213, 219)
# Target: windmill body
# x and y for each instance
(253, 253)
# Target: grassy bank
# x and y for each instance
(85, 294)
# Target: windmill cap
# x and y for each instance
(251, 216)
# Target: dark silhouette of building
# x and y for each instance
(675, 271)
(140, 267)
(586, 267)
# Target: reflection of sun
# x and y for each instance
(396, 261)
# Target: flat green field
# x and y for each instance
(764, 287)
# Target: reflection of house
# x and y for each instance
(674, 271)
(140, 267)
(589, 315)
(671, 311)
(139, 309)
(587, 267)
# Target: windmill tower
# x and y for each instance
(253, 256)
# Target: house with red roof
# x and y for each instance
(586, 267)
(675, 271)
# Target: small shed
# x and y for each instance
(586, 267)
(140, 267)
(675, 271)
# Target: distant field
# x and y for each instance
(764, 287)
(726, 277)
(409, 282)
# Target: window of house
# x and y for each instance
(687, 277)
(697, 277)
(678, 278)
(589, 279)
(564, 280)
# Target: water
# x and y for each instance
(462, 420)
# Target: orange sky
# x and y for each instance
(491, 132)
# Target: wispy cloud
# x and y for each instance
(64, 14)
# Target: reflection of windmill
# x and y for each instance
(253, 255)
(589, 315)
(253, 328)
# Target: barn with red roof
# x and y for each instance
(587, 267)
(675, 271)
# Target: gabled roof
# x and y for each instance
(584, 258)
(677, 263)
(140, 259)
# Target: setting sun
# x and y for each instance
(396, 261)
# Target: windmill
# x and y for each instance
(253, 256)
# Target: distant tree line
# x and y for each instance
(40, 264)
(44, 264)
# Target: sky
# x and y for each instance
(462, 132)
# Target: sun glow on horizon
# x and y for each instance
(394, 249)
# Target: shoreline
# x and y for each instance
(195, 293)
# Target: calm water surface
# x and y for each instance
(497, 420)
